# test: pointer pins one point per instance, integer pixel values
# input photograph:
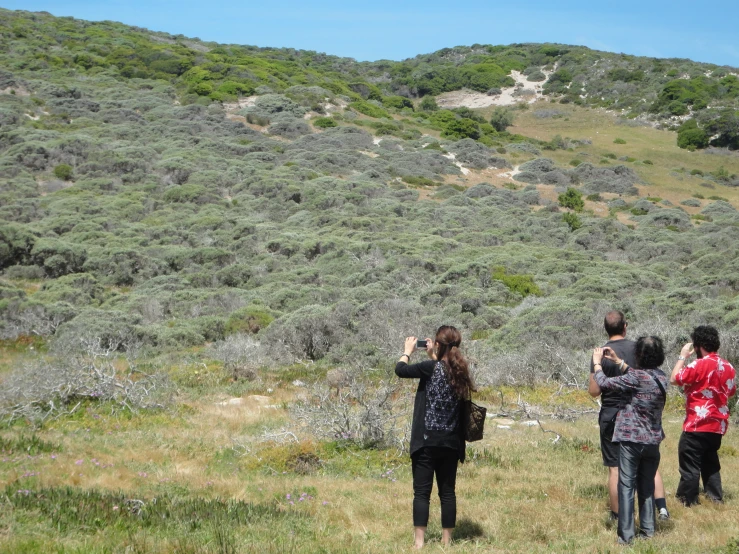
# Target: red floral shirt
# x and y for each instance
(708, 383)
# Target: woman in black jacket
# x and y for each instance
(437, 444)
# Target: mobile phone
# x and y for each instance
(421, 343)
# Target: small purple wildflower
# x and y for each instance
(79, 462)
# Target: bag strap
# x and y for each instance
(661, 388)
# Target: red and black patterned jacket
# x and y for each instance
(640, 420)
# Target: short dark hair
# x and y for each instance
(615, 323)
(650, 352)
(707, 337)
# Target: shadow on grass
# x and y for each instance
(467, 529)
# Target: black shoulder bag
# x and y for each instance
(473, 420)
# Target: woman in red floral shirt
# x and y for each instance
(708, 383)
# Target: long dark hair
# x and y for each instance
(449, 339)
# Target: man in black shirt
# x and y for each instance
(611, 402)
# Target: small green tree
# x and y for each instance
(572, 220)
(572, 199)
(461, 128)
(501, 119)
(63, 172)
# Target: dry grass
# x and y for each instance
(523, 494)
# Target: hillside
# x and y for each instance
(131, 197)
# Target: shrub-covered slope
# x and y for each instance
(182, 191)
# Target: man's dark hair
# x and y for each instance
(705, 336)
(615, 323)
(650, 352)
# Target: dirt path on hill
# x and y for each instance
(523, 91)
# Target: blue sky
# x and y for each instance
(384, 29)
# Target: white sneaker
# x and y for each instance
(664, 514)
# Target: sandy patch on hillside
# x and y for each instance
(242, 103)
(453, 157)
(18, 90)
(510, 174)
(523, 91)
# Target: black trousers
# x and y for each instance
(698, 457)
(426, 463)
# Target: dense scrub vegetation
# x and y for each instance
(132, 203)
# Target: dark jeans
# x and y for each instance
(698, 457)
(426, 462)
(637, 467)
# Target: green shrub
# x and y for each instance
(571, 199)
(520, 284)
(434, 146)
(202, 89)
(58, 257)
(572, 220)
(256, 119)
(691, 137)
(461, 128)
(184, 193)
(721, 174)
(369, 109)
(619, 141)
(324, 122)
(16, 244)
(648, 162)
(594, 197)
(501, 119)
(428, 104)
(251, 319)
(575, 163)
(419, 181)
(63, 172)
(397, 102)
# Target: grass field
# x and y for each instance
(202, 478)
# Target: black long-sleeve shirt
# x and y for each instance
(436, 409)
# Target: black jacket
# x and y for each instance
(420, 436)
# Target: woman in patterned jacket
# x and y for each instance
(437, 444)
(638, 429)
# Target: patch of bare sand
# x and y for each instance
(242, 103)
(523, 91)
(18, 90)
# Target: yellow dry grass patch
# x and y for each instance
(642, 143)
